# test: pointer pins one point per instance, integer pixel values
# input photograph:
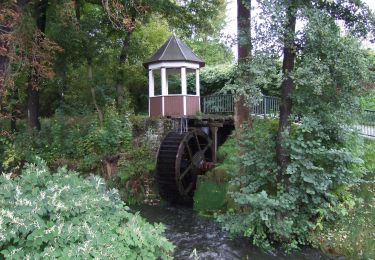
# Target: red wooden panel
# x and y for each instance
(192, 105)
(156, 106)
(173, 106)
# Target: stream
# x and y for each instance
(197, 237)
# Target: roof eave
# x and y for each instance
(147, 63)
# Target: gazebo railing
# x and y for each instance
(221, 104)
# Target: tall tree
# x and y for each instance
(357, 18)
(10, 13)
(287, 86)
(92, 36)
(241, 110)
(40, 12)
(324, 71)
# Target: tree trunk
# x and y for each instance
(4, 60)
(244, 29)
(120, 88)
(92, 89)
(287, 87)
(90, 78)
(32, 88)
(6, 28)
(241, 110)
(33, 104)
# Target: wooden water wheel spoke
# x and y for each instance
(198, 144)
(206, 147)
(189, 150)
(186, 171)
(189, 188)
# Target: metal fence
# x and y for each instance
(221, 104)
(218, 104)
(367, 125)
(268, 106)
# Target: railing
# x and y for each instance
(218, 104)
(268, 106)
(367, 125)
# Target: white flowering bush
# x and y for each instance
(62, 215)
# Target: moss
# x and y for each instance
(209, 196)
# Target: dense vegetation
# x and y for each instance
(353, 234)
(61, 215)
(73, 91)
(297, 174)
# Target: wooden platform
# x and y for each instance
(205, 120)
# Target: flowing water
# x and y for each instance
(197, 237)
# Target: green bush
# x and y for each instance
(322, 153)
(61, 215)
(113, 137)
(368, 101)
(320, 176)
(353, 235)
(210, 196)
(80, 141)
(214, 78)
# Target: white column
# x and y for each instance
(198, 88)
(151, 89)
(167, 83)
(151, 84)
(164, 90)
(184, 87)
(197, 83)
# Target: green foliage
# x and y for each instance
(209, 196)
(324, 150)
(61, 215)
(115, 135)
(254, 186)
(214, 78)
(252, 78)
(368, 101)
(132, 171)
(226, 150)
(353, 235)
(74, 140)
(213, 52)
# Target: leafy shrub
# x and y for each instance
(133, 171)
(323, 150)
(319, 177)
(354, 235)
(210, 196)
(61, 215)
(213, 79)
(368, 101)
(79, 141)
(113, 137)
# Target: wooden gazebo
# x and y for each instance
(170, 93)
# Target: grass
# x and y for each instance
(354, 235)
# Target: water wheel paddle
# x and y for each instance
(181, 158)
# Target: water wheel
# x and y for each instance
(181, 158)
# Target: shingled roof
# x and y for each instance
(174, 50)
